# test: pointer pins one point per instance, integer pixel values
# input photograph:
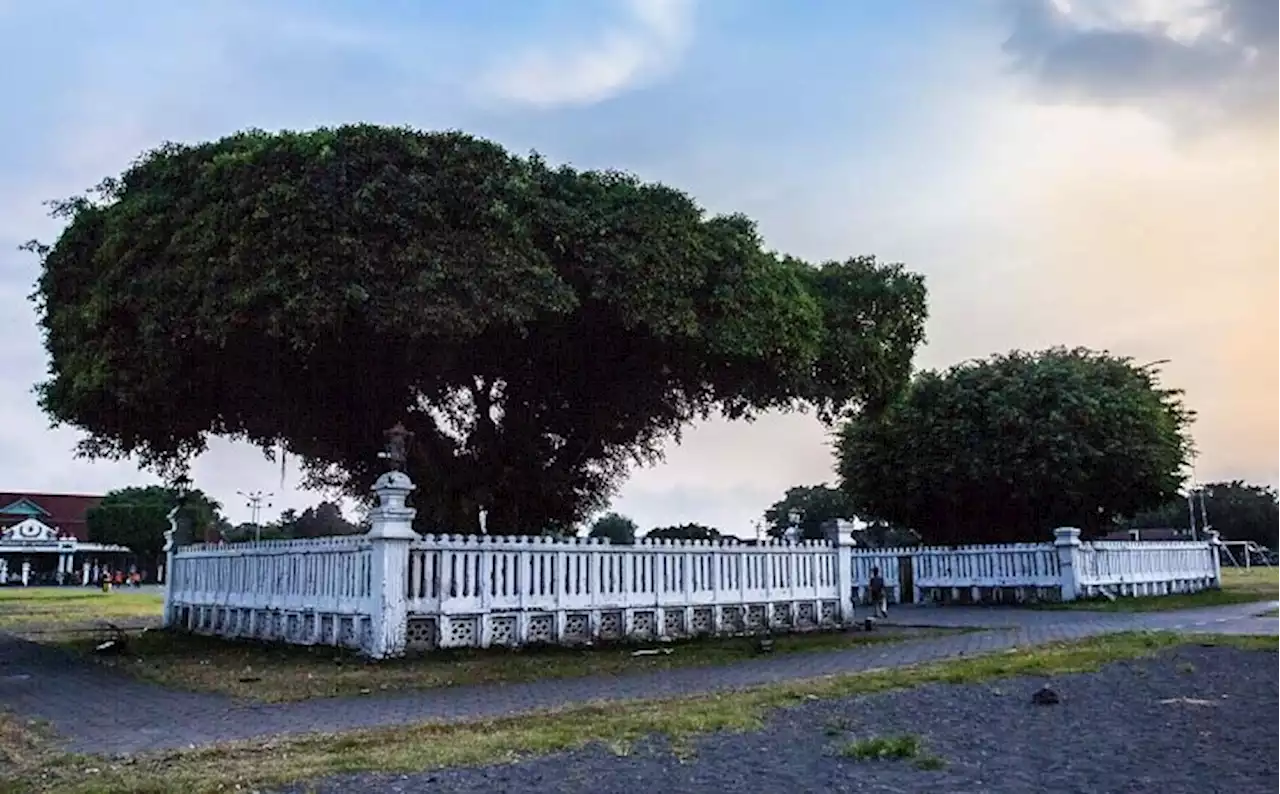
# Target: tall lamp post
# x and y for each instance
(255, 500)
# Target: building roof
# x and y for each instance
(66, 512)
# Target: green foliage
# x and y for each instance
(880, 748)
(139, 517)
(683, 532)
(881, 535)
(620, 530)
(322, 521)
(539, 328)
(1238, 510)
(816, 504)
(1007, 448)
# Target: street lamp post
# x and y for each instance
(255, 500)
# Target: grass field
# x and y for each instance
(30, 763)
(73, 618)
(1239, 586)
(26, 610)
(273, 673)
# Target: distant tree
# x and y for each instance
(880, 535)
(816, 505)
(1007, 448)
(1236, 509)
(323, 520)
(248, 531)
(540, 328)
(139, 517)
(620, 530)
(683, 532)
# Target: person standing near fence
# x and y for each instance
(878, 598)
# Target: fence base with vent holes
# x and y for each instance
(499, 629)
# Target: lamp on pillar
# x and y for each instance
(392, 517)
(396, 453)
(181, 524)
(794, 517)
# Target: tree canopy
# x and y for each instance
(139, 517)
(816, 504)
(321, 521)
(1007, 448)
(620, 530)
(1236, 509)
(683, 532)
(539, 328)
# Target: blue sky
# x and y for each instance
(903, 128)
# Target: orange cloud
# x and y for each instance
(1165, 249)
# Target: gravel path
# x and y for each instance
(1196, 720)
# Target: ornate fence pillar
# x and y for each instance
(391, 534)
(840, 533)
(1067, 541)
(170, 551)
(1215, 556)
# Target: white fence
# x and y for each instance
(392, 590)
(472, 590)
(1066, 569)
(298, 591)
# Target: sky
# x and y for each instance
(1094, 172)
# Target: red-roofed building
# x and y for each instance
(44, 539)
(62, 512)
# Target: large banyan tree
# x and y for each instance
(539, 328)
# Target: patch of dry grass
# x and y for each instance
(254, 764)
(278, 673)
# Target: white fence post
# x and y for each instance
(840, 533)
(1067, 541)
(390, 535)
(167, 620)
(1215, 550)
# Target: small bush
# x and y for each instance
(882, 747)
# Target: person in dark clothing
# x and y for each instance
(878, 598)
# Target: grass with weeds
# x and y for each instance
(1239, 586)
(281, 673)
(260, 763)
(880, 748)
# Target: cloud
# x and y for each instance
(1144, 182)
(648, 45)
(1201, 66)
